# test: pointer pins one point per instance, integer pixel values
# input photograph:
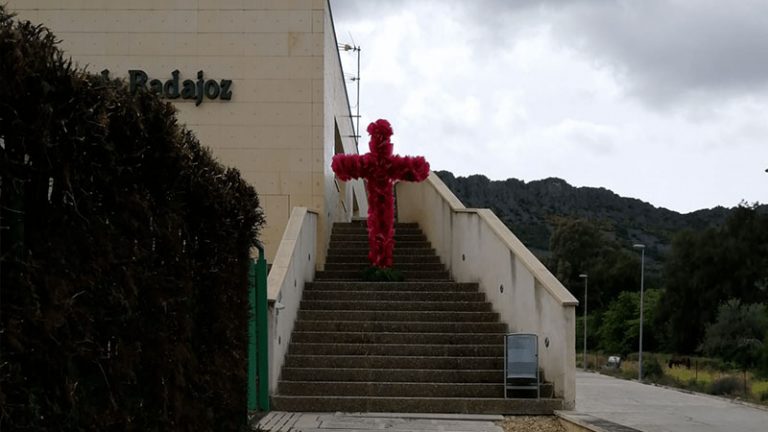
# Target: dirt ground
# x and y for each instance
(532, 424)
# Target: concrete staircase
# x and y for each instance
(426, 345)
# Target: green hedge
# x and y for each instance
(124, 258)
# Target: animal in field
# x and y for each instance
(679, 362)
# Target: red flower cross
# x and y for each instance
(381, 169)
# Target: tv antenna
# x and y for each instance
(356, 78)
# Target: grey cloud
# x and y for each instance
(663, 51)
(675, 50)
(350, 10)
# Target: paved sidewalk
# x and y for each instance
(277, 421)
(651, 409)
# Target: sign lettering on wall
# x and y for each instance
(174, 88)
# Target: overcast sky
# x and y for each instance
(665, 101)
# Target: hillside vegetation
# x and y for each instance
(706, 272)
(532, 210)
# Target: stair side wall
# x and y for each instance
(294, 265)
(477, 247)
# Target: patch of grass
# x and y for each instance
(686, 375)
(763, 397)
(760, 388)
(709, 376)
(727, 386)
(701, 377)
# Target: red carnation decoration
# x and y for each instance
(381, 169)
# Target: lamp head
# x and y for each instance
(583, 275)
(638, 246)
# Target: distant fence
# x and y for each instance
(124, 260)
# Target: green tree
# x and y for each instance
(573, 244)
(614, 271)
(706, 268)
(738, 333)
(593, 324)
(580, 246)
(619, 330)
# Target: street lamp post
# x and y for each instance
(642, 277)
(586, 278)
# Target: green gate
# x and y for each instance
(258, 366)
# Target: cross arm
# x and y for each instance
(409, 168)
(348, 167)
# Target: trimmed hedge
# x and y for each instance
(124, 261)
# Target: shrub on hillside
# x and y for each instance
(726, 386)
(652, 368)
(125, 255)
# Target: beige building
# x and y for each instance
(273, 102)
(260, 82)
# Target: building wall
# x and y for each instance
(287, 90)
(339, 129)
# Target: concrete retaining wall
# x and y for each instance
(294, 264)
(477, 247)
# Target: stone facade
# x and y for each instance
(288, 113)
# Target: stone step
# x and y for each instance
(364, 224)
(400, 259)
(363, 237)
(393, 362)
(332, 245)
(546, 390)
(363, 233)
(393, 375)
(490, 376)
(401, 350)
(356, 275)
(428, 316)
(416, 296)
(399, 306)
(398, 252)
(399, 327)
(397, 338)
(419, 405)
(425, 286)
(403, 267)
(391, 389)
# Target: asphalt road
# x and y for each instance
(650, 408)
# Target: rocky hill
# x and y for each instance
(532, 209)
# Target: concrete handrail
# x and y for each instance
(294, 264)
(477, 247)
(542, 274)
